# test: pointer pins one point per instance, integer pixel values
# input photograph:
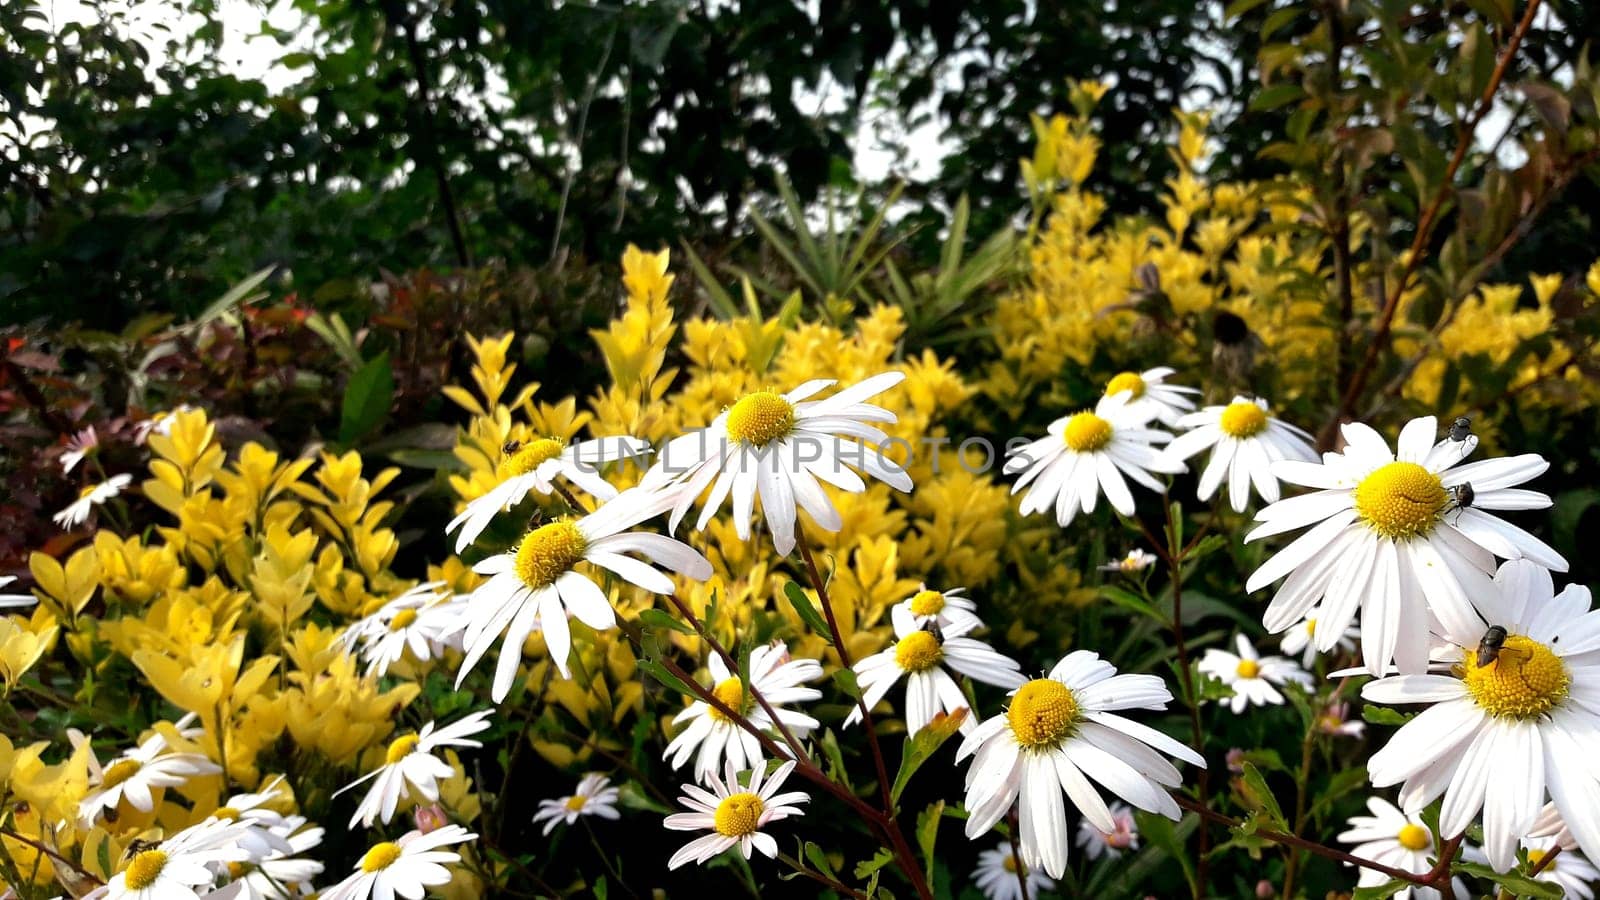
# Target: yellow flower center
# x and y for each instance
(1537, 856)
(548, 552)
(1525, 681)
(1087, 432)
(1414, 837)
(1043, 712)
(120, 771)
(1009, 863)
(531, 455)
(918, 652)
(731, 692)
(1400, 500)
(1311, 628)
(1131, 382)
(577, 802)
(401, 748)
(380, 857)
(237, 870)
(760, 418)
(739, 815)
(1242, 420)
(402, 620)
(927, 603)
(144, 870)
(226, 814)
(1248, 668)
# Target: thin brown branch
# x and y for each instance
(1439, 873)
(1379, 339)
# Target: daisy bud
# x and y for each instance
(430, 818)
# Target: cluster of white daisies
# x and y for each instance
(1408, 543)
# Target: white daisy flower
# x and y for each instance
(533, 466)
(411, 770)
(405, 868)
(1059, 733)
(12, 601)
(415, 621)
(1301, 639)
(1394, 539)
(1150, 396)
(778, 447)
(138, 774)
(1089, 452)
(922, 656)
(283, 874)
(1137, 560)
(1244, 442)
(734, 814)
(179, 865)
(950, 609)
(594, 796)
(1516, 719)
(79, 446)
(537, 584)
(1549, 824)
(777, 678)
(996, 875)
(1111, 844)
(1394, 839)
(264, 827)
(1251, 675)
(1570, 869)
(78, 511)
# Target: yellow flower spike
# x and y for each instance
(135, 573)
(208, 678)
(337, 712)
(20, 649)
(50, 791)
(68, 588)
(1545, 287)
(185, 462)
(280, 577)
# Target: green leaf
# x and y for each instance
(1380, 891)
(239, 293)
(632, 796)
(928, 834)
(846, 680)
(868, 866)
(1132, 602)
(815, 855)
(922, 745)
(807, 611)
(366, 399)
(1161, 833)
(1515, 882)
(1277, 95)
(659, 618)
(1258, 795)
(835, 757)
(1383, 715)
(600, 889)
(659, 672)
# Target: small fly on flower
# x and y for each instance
(1461, 496)
(510, 447)
(137, 846)
(931, 626)
(1460, 429)
(1493, 645)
